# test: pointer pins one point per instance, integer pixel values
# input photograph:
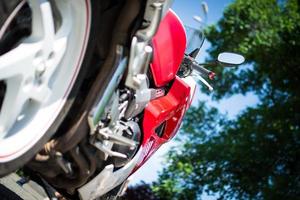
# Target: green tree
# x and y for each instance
(141, 191)
(256, 155)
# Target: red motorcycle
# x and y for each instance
(89, 90)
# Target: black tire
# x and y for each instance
(8, 167)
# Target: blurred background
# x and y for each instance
(241, 141)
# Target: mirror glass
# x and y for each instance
(195, 38)
(230, 59)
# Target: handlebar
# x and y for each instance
(202, 70)
(190, 65)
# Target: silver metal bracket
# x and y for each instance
(141, 51)
(108, 136)
(99, 107)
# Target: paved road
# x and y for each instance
(11, 190)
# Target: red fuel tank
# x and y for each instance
(168, 44)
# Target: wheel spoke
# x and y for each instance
(54, 46)
(13, 103)
(43, 24)
(53, 61)
(20, 61)
(40, 93)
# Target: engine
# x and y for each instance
(116, 137)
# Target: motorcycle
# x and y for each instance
(90, 90)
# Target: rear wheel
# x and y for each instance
(39, 73)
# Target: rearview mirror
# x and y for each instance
(230, 59)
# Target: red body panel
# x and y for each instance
(169, 44)
(169, 109)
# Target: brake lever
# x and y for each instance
(198, 68)
(190, 66)
(198, 76)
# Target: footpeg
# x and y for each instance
(117, 138)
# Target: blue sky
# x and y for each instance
(186, 9)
